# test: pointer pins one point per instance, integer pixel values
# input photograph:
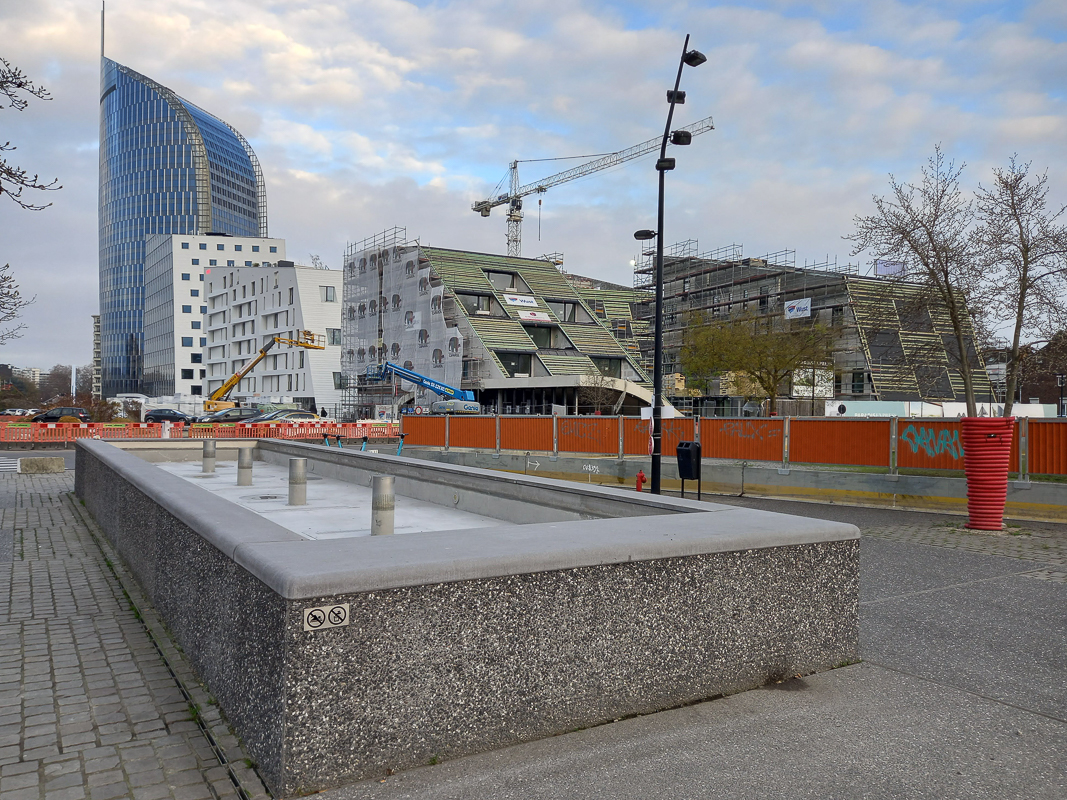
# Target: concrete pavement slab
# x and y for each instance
(892, 569)
(861, 731)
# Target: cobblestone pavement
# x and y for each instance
(95, 700)
(1039, 542)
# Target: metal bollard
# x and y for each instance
(209, 456)
(298, 481)
(244, 466)
(382, 504)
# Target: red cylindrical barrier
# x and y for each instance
(986, 460)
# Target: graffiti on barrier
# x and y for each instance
(752, 430)
(589, 429)
(934, 442)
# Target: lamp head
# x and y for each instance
(694, 58)
(644, 235)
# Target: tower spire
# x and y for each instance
(102, 4)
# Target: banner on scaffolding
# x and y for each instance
(798, 309)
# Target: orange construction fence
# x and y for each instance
(862, 442)
(63, 432)
(750, 439)
(921, 443)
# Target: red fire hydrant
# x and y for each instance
(640, 478)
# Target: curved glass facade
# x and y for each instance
(166, 166)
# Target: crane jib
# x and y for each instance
(604, 162)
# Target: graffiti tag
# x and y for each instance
(934, 442)
(752, 430)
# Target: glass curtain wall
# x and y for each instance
(166, 167)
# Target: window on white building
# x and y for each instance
(328, 294)
(333, 336)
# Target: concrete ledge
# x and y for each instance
(41, 465)
(298, 571)
(460, 641)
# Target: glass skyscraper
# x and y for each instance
(166, 166)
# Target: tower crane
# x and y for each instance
(513, 199)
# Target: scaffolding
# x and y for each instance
(723, 283)
(358, 398)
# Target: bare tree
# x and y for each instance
(55, 384)
(762, 351)
(13, 179)
(928, 230)
(11, 305)
(597, 390)
(1024, 254)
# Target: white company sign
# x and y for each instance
(798, 309)
(534, 316)
(520, 300)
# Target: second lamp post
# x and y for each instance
(692, 58)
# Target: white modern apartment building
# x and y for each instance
(30, 374)
(178, 268)
(248, 306)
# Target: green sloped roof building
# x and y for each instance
(515, 331)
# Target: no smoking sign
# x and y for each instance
(322, 617)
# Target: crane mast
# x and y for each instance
(513, 199)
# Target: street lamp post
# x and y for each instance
(1061, 380)
(692, 58)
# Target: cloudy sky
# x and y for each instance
(369, 114)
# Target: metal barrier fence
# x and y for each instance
(63, 432)
(1038, 446)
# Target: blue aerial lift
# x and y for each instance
(458, 401)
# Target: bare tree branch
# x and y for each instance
(13, 179)
(929, 230)
(1024, 254)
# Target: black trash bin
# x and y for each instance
(689, 464)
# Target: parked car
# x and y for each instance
(14, 412)
(231, 415)
(55, 414)
(285, 415)
(168, 415)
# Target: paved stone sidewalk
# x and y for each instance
(90, 700)
(1044, 543)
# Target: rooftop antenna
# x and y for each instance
(102, 4)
